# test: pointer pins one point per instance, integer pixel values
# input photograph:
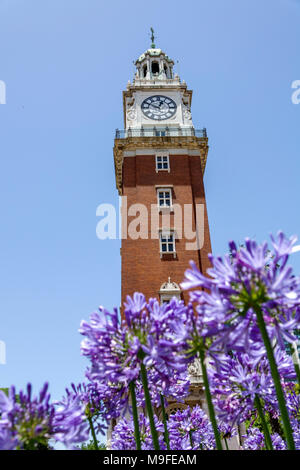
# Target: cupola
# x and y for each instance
(154, 64)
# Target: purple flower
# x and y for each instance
(296, 432)
(277, 442)
(134, 307)
(176, 387)
(113, 353)
(238, 379)
(30, 421)
(92, 395)
(254, 440)
(5, 403)
(251, 277)
(283, 246)
(190, 429)
(69, 421)
(153, 334)
(8, 440)
(123, 434)
(159, 354)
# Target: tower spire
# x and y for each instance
(152, 38)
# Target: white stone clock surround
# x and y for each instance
(135, 118)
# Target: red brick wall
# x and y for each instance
(143, 269)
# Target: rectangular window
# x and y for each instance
(167, 242)
(164, 197)
(166, 298)
(162, 163)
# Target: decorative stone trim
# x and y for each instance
(130, 144)
(195, 372)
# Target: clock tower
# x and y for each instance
(160, 160)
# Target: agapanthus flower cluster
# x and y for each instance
(293, 405)
(113, 396)
(250, 277)
(91, 396)
(235, 330)
(69, 424)
(88, 394)
(29, 422)
(177, 388)
(123, 434)
(296, 432)
(239, 378)
(254, 440)
(150, 334)
(190, 429)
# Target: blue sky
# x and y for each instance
(65, 64)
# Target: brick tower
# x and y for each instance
(159, 164)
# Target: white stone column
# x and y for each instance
(149, 75)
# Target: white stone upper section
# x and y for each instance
(135, 118)
(155, 77)
(154, 64)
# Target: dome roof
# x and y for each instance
(154, 53)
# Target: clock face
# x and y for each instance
(159, 107)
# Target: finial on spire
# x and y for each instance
(152, 38)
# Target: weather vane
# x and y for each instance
(152, 38)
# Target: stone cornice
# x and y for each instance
(166, 142)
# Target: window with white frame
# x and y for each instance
(164, 198)
(167, 242)
(162, 162)
(168, 291)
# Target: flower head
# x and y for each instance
(149, 333)
(238, 379)
(190, 429)
(28, 421)
(252, 276)
(123, 434)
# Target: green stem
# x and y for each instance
(226, 444)
(239, 435)
(210, 405)
(137, 435)
(149, 408)
(191, 439)
(165, 419)
(93, 432)
(288, 432)
(264, 423)
(296, 364)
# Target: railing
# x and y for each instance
(160, 132)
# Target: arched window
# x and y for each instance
(173, 408)
(169, 290)
(145, 70)
(155, 68)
